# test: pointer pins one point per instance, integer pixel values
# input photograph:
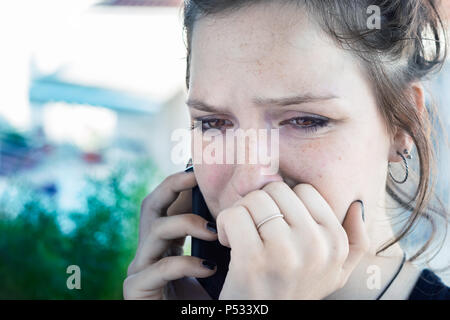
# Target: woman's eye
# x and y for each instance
(301, 123)
(219, 124)
(306, 123)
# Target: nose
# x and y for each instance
(250, 177)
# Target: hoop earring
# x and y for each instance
(406, 169)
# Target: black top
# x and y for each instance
(429, 287)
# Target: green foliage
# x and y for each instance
(35, 252)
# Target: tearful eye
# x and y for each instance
(303, 122)
(215, 123)
(306, 123)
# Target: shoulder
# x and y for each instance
(429, 287)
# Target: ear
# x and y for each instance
(419, 97)
(402, 140)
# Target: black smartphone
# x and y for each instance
(209, 250)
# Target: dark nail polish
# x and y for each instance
(211, 226)
(209, 264)
(362, 209)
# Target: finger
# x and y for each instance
(167, 269)
(294, 211)
(237, 230)
(317, 207)
(162, 197)
(358, 238)
(167, 229)
(167, 192)
(261, 206)
(182, 204)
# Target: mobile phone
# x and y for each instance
(210, 250)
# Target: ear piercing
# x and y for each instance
(406, 167)
(407, 154)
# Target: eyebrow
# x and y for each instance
(259, 101)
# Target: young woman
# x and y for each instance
(344, 91)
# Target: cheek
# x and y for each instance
(335, 166)
(211, 179)
(210, 176)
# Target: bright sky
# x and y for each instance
(133, 49)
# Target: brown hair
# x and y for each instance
(409, 46)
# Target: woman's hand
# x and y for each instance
(164, 225)
(307, 254)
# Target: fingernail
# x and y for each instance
(211, 226)
(362, 209)
(209, 264)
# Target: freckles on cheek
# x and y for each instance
(211, 178)
(329, 167)
(335, 174)
(306, 161)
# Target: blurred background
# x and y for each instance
(90, 92)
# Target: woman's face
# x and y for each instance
(334, 138)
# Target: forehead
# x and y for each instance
(265, 47)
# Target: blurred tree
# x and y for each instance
(35, 252)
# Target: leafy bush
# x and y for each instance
(35, 252)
